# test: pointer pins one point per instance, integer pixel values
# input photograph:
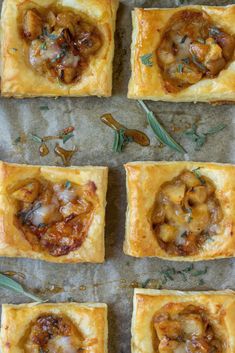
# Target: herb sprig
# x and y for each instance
(170, 274)
(65, 135)
(160, 132)
(200, 138)
(9, 283)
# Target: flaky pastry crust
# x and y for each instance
(220, 307)
(143, 182)
(18, 79)
(146, 81)
(90, 320)
(12, 240)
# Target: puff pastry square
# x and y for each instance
(65, 327)
(147, 80)
(52, 213)
(180, 210)
(170, 321)
(19, 79)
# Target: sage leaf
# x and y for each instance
(160, 132)
(9, 283)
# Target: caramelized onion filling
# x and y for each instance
(51, 333)
(60, 42)
(182, 328)
(186, 213)
(192, 48)
(54, 217)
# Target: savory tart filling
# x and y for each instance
(186, 213)
(51, 333)
(192, 48)
(184, 328)
(60, 42)
(54, 217)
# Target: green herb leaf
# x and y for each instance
(186, 60)
(214, 31)
(184, 235)
(180, 68)
(183, 275)
(44, 107)
(120, 140)
(36, 138)
(43, 46)
(68, 184)
(17, 140)
(169, 273)
(198, 63)
(116, 141)
(160, 132)
(189, 268)
(8, 283)
(147, 59)
(216, 129)
(67, 137)
(200, 272)
(200, 139)
(197, 173)
(184, 39)
(201, 282)
(25, 215)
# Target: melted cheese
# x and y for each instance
(42, 214)
(62, 345)
(64, 195)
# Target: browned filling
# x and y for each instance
(192, 48)
(186, 213)
(51, 333)
(54, 217)
(61, 42)
(181, 328)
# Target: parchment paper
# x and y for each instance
(112, 281)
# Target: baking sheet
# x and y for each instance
(113, 281)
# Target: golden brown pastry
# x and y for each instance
(50, 328)
(183, 54)
(167, 321)
(180, 210)
(51, 213)
(57, 47)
